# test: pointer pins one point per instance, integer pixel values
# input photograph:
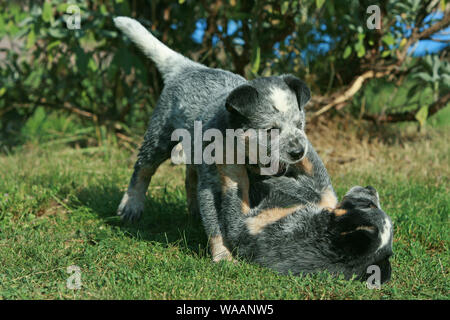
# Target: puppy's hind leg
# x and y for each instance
(191, 190)
(154, 151)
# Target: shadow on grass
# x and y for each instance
(165, 220)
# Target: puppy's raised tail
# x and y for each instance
(168, 62)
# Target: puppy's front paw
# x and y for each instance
(219, 251)
(224, 256)
(130, 208)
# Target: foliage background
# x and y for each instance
(85, 86)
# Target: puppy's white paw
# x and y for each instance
(224, 256)
(219, 251)
(131, 207)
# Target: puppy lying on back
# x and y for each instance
(304, 238)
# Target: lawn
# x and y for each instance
(57, 209)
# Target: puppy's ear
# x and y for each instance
(242, 100)
(300, 88)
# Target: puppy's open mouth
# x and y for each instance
(282, 169)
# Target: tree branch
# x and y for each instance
(343, 97)
(435, 27)
(64, 105)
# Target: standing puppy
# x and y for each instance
(219, 100)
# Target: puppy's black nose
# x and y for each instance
(297, 154)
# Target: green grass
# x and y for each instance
(57, 209)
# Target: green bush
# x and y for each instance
(96, 75)
(87, 72)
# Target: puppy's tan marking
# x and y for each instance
(328, 199)
(366, 228)
(235, 176)
(256, 224)
(339, 212)
(245, 204)
(306, 165)
(218, 250)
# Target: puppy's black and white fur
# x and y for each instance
(287, 233)
(220, 100)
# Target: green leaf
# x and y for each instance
(58, 33)
(424, 76)
(446, 80)
(181, 1)
(436, 65)
(403, 42)
(284, 7)
(34, 79)
(422, 115)
(62, 7)
(47, 14)
(385, 53)
(12, 28)
(2, 91)
(103, 9)
(360, 50)
(319, 3)
(31, 39)
(53, 44)
(388, 39)
(92, 65)
(347, 52)
(256, 61)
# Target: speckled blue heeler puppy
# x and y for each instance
(221, 100)
(288, 233)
